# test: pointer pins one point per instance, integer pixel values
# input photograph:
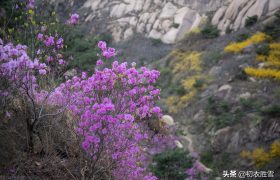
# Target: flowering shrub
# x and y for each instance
(74, 19)
(189, 66)
(263, 73)
(112, 106)
(272, 64)
(260, 157)
(255, 39)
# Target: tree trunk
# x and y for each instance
(30, 144)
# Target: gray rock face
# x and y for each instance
(165, 20)
(235, 14)
(168, 20)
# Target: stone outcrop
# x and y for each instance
(167, 20)
(233, 16)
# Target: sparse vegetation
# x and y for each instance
(211, 58)
(242, 37)
(270, 55)
(272, 111)
(263, 50)
(156, 42)
(273, 28)
(221, 113)
(186, 66)
(176, 25)
(198, 83)
(216, 163)
(210, 31)
(171, 164)
(241, 75)
(250, 21)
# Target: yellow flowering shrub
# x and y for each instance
(260, 157)
(237, 47)
(275, 46)
(263, 73)
(190, 82)
(185, 61)
(273, 58)
(261, 57)
(176, 103)
(195, 30)
(272, 64)
(172, 103)
(187, 67)
(275, 149)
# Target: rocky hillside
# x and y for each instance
(225, 110)
(168, 20)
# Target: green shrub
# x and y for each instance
(171, 164)
(212, 58)
(247, 103)
(217, 107)
(250, 21)
(210, 31)
(178, 90)
(242, 37)
(221, 121)
(156, 42)
(164, 81)
(221, 113)
(106, 37)
(241, 75)
(263, 50)
(82, 49)
(273, 29)
(175, 25)
(207, 158)
(272, 111)
(251, 105)
(198, 83)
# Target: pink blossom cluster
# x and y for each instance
(113, 105)
(53, 44)
(19, 71)
(51, 41)
(16, 64)
(74, 19)
(106, 52)
(30, 4)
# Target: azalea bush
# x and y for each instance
(27, 73)
(112, 107)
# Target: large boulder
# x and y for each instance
(168, 120)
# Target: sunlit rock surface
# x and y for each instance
(168, 20)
